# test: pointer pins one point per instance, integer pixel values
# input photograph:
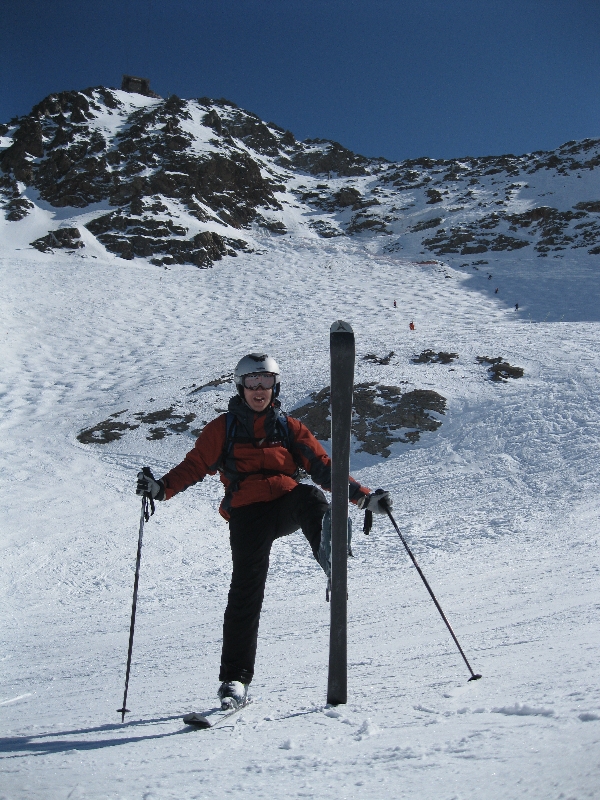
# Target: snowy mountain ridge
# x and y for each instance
(191, 181)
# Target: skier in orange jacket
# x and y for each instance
(260, 454)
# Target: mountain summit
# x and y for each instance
(191, 181)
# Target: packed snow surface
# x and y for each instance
(500, 506)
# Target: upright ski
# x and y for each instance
(341, 342)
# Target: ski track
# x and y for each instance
(500, 506)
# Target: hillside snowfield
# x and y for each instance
(500, 505)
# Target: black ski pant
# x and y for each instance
(252, 531)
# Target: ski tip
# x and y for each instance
(341, 327)
(196, 720)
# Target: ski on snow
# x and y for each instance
(342, 351)
(212, 718)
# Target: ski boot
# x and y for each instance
(232, 694)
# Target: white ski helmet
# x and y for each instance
(253, 363)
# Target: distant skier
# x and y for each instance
(516, 306)
(411, 326)
(395, 304)
(259, 453)
(496, 290)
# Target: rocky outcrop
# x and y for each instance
(550, 228)
(433, 196)
(471, 239)
(192, 181)
(70, 162)
(109, 430)
(426, 224)
(382, 415)
(380, 360)
(130, 83)
(500, 370)
(63, 238)
(112, 429)
(431, 357)
(322, 157)
(160, 240)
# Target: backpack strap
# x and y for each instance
(282, 430)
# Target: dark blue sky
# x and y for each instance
(397, 78)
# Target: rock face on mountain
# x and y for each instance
(192, 181)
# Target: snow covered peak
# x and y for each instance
(191, 181)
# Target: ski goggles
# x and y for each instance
(259, 380)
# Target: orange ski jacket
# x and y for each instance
(255, 465)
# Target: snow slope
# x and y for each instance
(500, 505)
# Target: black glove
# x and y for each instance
(378, 502)
(147, 484)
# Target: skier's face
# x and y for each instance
(258, 399)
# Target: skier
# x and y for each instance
(259, 453)
(411, 325)
(395, 306)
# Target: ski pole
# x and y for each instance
(473, 677)
(145, 516)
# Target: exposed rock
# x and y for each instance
(383, 415)
(160, 168)
(430, 357)
(500, 370)
(76, 166)
(272, 225)
(151, 417)
(161, 240)
(359, 225)
(434, 196)
(212, 120)
(139, 85)
(252, 131)
(348, 196)
(112, 429)
(329, 157)
(108, 431)
(553, 228)
(473, 238)
(383, 360)
(18, 209)
(227, 378)
(325, 229)
(589, 205)
(426, 224)
(62, 238)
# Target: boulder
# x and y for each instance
(60, 239)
